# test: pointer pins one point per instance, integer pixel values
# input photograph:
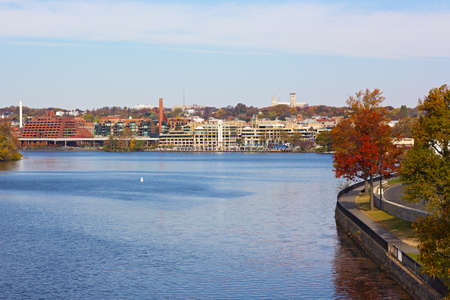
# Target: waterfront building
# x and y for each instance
(218, 135)
(318, 122)
(179, 139)
(215, 136)
(229, 137)
(173, 123)
(182, 134)
(51, 126)
(205, 137)
(115, 126)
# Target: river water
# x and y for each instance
(200, 226)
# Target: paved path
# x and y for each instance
(348, 201)
(394, 193)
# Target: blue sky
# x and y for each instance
(95, 53)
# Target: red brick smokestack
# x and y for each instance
(161, 114)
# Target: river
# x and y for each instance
(200, 226)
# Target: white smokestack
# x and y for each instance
(20, 114)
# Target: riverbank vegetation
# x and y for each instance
(426, 174)
(398, 227)
(239, 111)
(324, 141)
(114, 144)
(8, 143)
(126, 143)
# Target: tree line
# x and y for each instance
(125, 143)
(364, 147)
(8, 143)
(239, 111)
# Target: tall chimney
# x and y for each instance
(20, 114)
(161, 114)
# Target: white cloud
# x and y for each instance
(290, 27)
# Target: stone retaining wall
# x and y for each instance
(388, 256)
(397, 210)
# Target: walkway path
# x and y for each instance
(394, 193)
(348, 201)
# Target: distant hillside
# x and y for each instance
(239, 111)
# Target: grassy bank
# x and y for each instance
(398, 227)
(394, 180)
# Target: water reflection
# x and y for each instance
(82, 226)
(9, 165)
(357, 277)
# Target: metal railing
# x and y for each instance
(400, 256)
(377, 238)
(416, 268)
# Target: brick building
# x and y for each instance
(50, 126)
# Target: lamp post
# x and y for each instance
(381, 186)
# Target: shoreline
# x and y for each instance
(77, 149)
(385, 249)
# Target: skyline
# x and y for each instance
(91, 54)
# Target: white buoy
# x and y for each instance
(142, 179)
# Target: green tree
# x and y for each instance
(273, 115)
(403, 113)
(404, 127)
(125, 138)
(111, 145)
(89, 117)
(325, 140)
(296, 140)
(8, 143)
(177, 112)
(139, 146)
(426, 173)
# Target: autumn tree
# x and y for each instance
(426, 174)
(132, 144)
(363, 142)
(8, 143)
(221, 114)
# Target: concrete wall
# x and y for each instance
(400, 211)
(388, 259)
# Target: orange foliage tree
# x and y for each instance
(364, 141)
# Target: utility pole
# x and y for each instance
(20, 114)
